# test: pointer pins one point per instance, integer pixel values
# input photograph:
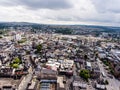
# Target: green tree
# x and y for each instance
(106, 82)
(15, 66)
(39, 48)
(85, 74)
(0, 37)
(16, 60)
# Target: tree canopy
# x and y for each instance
(85, 74)
(16, 60)
(85, 57)
(15, 66)
(39, 48)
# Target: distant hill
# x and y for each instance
(16, 23)
(87, 28)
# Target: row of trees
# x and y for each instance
(64, 31)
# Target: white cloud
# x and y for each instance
(73, 12)
(103, 6)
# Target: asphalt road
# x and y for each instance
(24, 83)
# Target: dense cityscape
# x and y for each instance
(34, 59)
(59, 44)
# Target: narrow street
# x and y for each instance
(113, 83)
(26, 80)
(70, 80)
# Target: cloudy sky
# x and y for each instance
(97, 12)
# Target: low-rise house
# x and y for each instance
(100, 87)
(95, 73)
(48, 79)
(117, 70)
(76, 84)
(66, 67)
(89, 66)
(47, 74)
(8, 84)
(6, 71)
(60, 82)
